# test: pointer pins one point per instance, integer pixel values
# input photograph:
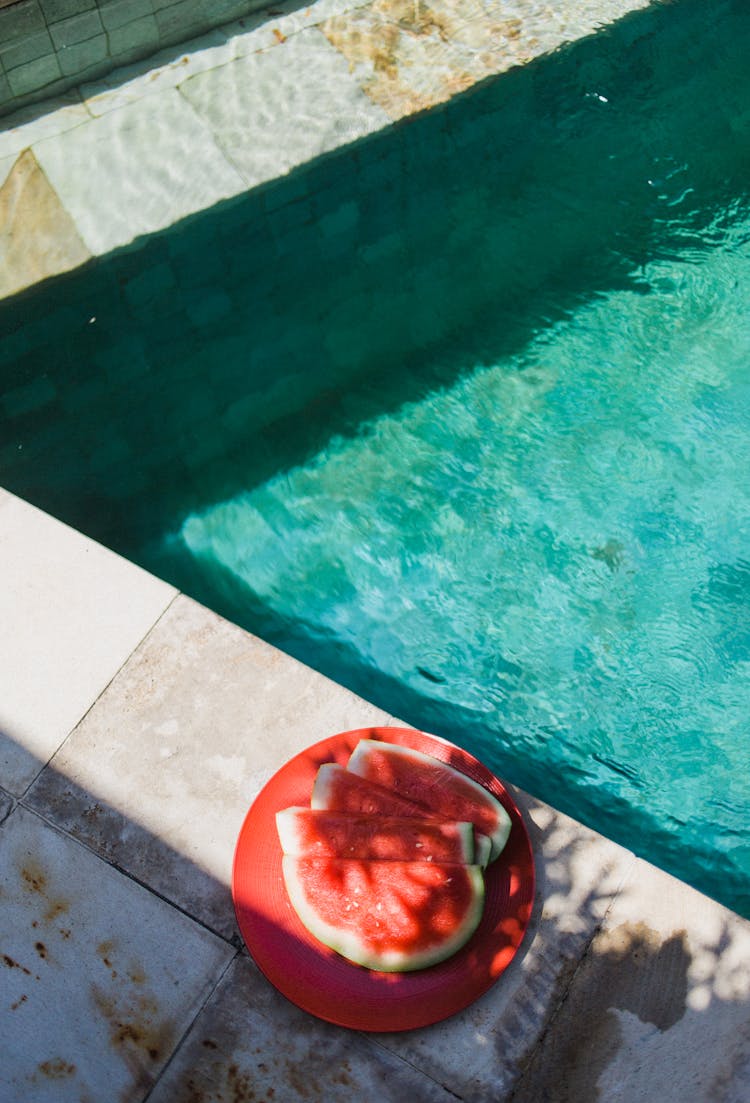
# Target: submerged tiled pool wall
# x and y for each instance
(48, 46)
(139, 369)
(146, 378)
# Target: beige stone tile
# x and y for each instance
(38, 238)
(71, 612)
(479, 1053)
(159, 776)
(412, 54)
(408, 55)
(250, 1043)
(6, 164)
(660, 1008)
(136, 170)
(99, 979)
(281, 107)
(20, 130)
(167, 69)
(159, 73)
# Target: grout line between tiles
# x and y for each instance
(43, 766)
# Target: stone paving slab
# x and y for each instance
(22, 129)
(659, 1008)
(71, 613)
(99, 979)
(250, 1043)
(155, 163)
(409, 56)
(241, 37)
(159, 73)
(38, 237)
(160, 774)
(6, 164)
(284, 106)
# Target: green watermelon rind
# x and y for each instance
(358, 763)
(462, 836)
(346, 943)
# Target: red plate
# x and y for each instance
(327, 985)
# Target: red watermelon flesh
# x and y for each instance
(338, 789)
(390, 916)
(426, 781)
(319, 833)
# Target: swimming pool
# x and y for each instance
(491, 474)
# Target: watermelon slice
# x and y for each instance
(389, 916)
(318, 833)
(338, 789)
(422, 779)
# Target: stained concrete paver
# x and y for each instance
(171, 67)
(99, 979)
(410, 56)
(71, 613)
(156, 162)
(160, 774)
(249, 1043)
(282, 107)
(271, 90)
(659, 1008)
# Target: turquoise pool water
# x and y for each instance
(459, 416)
(546, 554)
(552, 555)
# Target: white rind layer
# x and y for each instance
(482, 849)
(322, 785)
